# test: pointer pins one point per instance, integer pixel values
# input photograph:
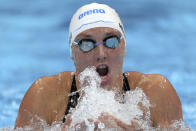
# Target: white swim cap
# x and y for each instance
(91, 16)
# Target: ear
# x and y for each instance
(72, 54)
(125, 51)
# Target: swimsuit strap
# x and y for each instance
(73, 99)
(126, 86)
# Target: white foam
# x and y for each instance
(180, 125)
(96, 100)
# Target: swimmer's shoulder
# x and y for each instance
(148, 81)
(165, 103)
(46, 99)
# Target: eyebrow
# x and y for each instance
(108, 34)
(87, 36)
(90, 36)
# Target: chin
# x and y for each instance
(106, 87)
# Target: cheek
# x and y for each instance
(118, 56)
(82, 61)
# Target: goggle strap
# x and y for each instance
(75, 43)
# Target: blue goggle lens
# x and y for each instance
(112, 42)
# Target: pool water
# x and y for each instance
(33, 43)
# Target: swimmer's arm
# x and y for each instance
(165, 103)
(112, 122)
(33, 108)
(105, 121)
(45, 101)
(38, 103)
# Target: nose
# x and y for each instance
(101, 54)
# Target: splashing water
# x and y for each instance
(95, 100)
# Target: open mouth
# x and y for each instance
(102, 70)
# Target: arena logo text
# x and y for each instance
(90, 12)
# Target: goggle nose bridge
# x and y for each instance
(99, 43)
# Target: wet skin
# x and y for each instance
(47, 99)
(113, 58)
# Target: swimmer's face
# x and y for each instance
(108, 61)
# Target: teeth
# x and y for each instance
(102, 67)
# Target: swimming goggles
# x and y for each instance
(87, 45)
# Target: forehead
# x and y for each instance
(98, 31)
